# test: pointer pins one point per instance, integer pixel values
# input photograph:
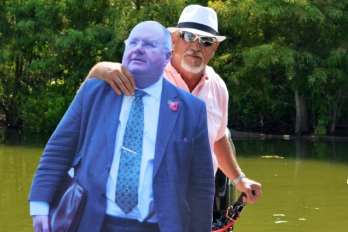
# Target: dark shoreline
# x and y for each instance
(241, 135)
(236, 135)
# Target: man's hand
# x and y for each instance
(251, 188)
(225, 154)
(41, 223)
(120, 80)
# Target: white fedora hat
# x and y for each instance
(199, 20)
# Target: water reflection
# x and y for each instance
(299, 149)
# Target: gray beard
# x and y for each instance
(189, 68)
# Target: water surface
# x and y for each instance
(305, 186)
(17, 165)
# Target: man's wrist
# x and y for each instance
(239, 178)
(97, 71)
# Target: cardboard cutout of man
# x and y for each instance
(171, 168)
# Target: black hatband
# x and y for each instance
(198, 26)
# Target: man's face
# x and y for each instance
(144, 55)
(191, 56)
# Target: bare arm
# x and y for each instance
(225, 154)
(115, 75)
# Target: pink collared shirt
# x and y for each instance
(213, 91)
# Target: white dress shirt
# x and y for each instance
(144, 208)
(151, 102)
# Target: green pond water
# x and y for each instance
(305, 185)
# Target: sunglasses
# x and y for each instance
(205, 41)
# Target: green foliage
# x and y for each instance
(274, 49)
(42, 111)
(277, 47)
(47, 42)
(47, 48)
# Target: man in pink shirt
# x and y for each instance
(195, 40)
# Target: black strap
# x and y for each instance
(197, 26)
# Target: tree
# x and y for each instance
(288, 40)
(284, 62)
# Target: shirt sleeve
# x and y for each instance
(39, 208)
(223, 99)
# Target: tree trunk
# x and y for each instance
(301, 125)
(12, 106)
(138, 4)
(334, 112)
(333, 120)
(262, 123)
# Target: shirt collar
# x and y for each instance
(171, 69)
(155, 89)
(174, 73)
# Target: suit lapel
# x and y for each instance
(112, 119)
(166, 122)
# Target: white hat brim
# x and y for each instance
(219, 38)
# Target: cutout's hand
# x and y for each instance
(41, 223)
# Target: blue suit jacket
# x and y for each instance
(183, 182)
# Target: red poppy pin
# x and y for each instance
(173, 105)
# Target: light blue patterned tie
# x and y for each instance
(131, 153)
